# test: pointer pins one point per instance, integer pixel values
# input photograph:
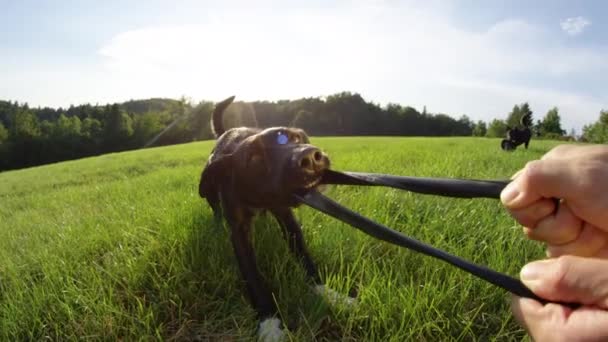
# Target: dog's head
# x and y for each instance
(266, 168)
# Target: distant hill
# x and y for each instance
(149, 105)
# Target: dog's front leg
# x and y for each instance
(240, 221)
(213, 198)
(292, 232)
(256, 287)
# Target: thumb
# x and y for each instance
(569, 279)
(541, 179)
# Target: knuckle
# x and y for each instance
(553, 252)
(556, 334)
(530, 222)
(553, 281)
(545, 208)
(524, 218)
(561, 268)
(534, 214)
(548, 325)
(562, 229)
(533, 169)
(557, 152)
(590, 175)
(561, 148)
(596, 172)
(562, 238)
(563, 263)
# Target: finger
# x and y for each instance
(590, 241)
(560, 151)
(553, 322)
(595, 152)
(516, 174)
(526, 311)
(541, 179)
(540, 321)
(558, 229)
(587, 324)
(569, 279)
(603, 254)
(530, 215)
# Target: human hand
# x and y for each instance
(578, 175)
(565, 279)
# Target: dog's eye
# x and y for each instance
(296, 139)
(282, 138)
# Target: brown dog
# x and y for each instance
(251, 170)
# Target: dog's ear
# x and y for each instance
(250, 154)
(212, 174)
(303, 136)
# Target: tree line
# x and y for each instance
(34, 136)
(549, 127)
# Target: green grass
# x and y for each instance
(121, 247)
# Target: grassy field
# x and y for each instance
(121, 247)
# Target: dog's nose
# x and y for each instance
(312, 159)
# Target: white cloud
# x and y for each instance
(575, 25)
(388, 53)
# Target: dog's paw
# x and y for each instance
(333, 297)
(270, 331)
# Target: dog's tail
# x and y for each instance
(526, 120)
(216, 119)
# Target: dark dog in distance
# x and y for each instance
(518, 135)
(251, 170)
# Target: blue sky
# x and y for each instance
(458, 57)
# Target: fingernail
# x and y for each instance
(509, 193)
(531, 273)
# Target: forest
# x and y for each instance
(35, 136)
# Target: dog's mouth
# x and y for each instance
(309, 184)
